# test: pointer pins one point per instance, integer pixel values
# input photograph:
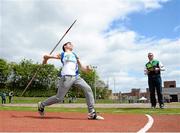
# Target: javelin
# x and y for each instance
(50, 54)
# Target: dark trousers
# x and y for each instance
(3, 101)
(155, 84)
(10, 97)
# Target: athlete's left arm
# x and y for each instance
(83, 67)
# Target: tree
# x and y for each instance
(89, 78)
(4, 73)
(15, 77)
(22, 73)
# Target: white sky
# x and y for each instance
(30, 28)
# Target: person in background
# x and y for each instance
(3, 96)
(153, 70)
(10, 96)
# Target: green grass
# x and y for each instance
(27, 99)
(37, 99)
(22, 100)
(169, 111)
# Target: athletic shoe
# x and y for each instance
(153, 107)
(94, 116)
(161, 106)
(40, 109)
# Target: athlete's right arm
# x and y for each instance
(47, 57)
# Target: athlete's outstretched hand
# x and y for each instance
(45, 59)
(89, 68)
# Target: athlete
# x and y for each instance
(69, 77)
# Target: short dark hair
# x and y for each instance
(150, 53)
(65, 45)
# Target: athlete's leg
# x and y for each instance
(87, 91)
(65, 84)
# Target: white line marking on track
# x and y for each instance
(148, 125)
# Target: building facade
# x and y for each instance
(170, 92)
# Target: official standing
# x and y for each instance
(153, 70)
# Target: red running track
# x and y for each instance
(20, 121)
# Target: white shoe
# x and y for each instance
(40, 109)
(99, 117)
(94, 116)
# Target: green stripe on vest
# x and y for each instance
(151, 65)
